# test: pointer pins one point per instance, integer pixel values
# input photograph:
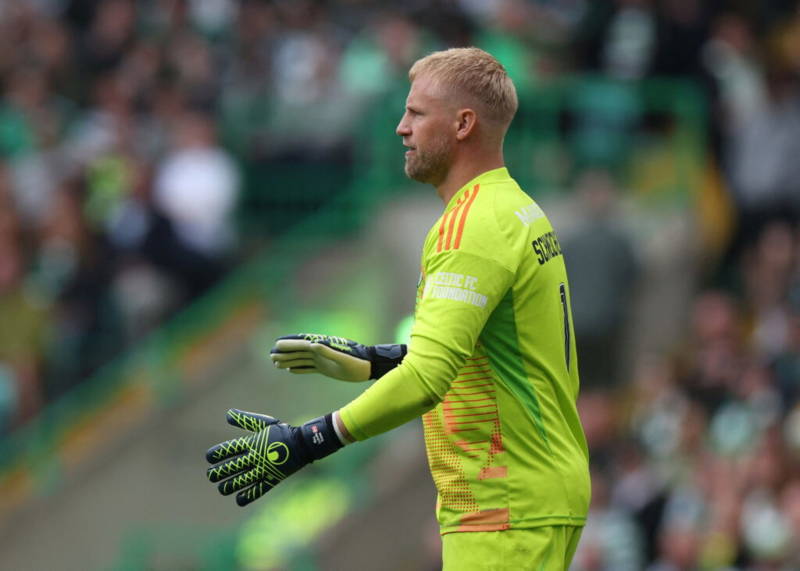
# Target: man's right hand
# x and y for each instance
(335, 357)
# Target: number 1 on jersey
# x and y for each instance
(562, 288)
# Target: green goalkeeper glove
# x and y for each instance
(253, 465)
(335, 357)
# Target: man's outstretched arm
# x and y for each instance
(445, 333)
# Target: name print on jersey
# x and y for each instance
(546, 247)
(458, 287)
(529, 214)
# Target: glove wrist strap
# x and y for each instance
(318, 437)
(384, 358)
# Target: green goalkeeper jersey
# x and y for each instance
(492, 364)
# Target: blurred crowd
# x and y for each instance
(696, 450)
(116, 198)
(696, 462)
(127, 129)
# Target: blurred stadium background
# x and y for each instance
(181, 181)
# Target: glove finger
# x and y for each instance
(229, 468)
(252, 493)
(252, 421)
(238, 482)
(227, 449)
(284, 345)
(291, 363)
(304, 370)
(284, 357)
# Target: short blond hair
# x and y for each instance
(474, 72)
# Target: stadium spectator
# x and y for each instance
(196, 188)
(618, 38)
(759, 153)
(23, 330)
(601, 260)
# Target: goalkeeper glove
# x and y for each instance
(335, 357)
(252, 465)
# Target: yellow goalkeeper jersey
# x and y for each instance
(492, 366)
(505, 445)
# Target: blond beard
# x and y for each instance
(432, 165)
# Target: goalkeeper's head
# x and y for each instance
(458, 110)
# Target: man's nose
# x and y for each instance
(402, 128)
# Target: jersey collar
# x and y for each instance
(494, 175)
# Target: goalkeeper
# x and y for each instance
(491, 366)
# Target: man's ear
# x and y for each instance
(466, 123)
